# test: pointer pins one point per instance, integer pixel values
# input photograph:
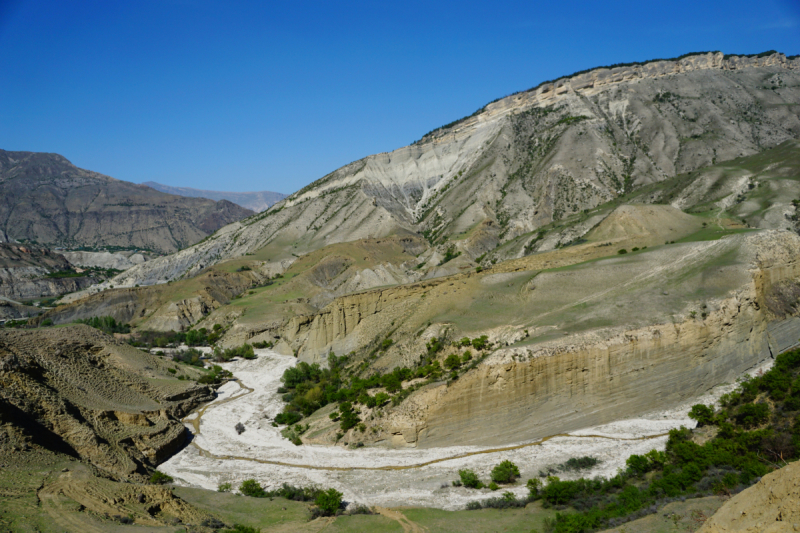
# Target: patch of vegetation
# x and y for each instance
(156, 339)
(449, 255)
(106, 324)
(328, 502)
(191, 356)
(505, 472)
(262, 344)
(215, 376)
(160, 478)
(61, 274)
(245, 351)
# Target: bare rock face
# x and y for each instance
(529, 159)
(770, 506)
(77, 391)
(46, 199)
(117, 261)
(24, 273)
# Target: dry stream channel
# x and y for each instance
(381, 476)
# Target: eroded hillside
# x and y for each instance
(527, 160)
(79, 392)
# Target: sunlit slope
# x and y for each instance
(526, 161)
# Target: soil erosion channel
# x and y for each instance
(376, 476)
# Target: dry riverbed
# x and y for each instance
(379, 476)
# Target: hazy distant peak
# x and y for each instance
(257, 200)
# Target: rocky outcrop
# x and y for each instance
(46, 199)
(24, 273)
(77, 391)
(117, 261)
(770, 506)
(159, 308)
(528, 160)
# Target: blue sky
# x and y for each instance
(234, 95)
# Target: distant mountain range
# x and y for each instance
(257, 201)
(45, 199)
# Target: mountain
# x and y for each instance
(45, 199)
(255, 201)
(527, 161)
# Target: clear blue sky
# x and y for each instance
(234, 95)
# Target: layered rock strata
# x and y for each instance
(77, 391)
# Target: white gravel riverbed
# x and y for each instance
(419, 486)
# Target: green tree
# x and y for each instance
(349, 419)
(469, 479)
(329, 501)
(505, 472)
(251, 487)
(452, 362)
(703, 414)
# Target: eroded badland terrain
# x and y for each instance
(575, 310)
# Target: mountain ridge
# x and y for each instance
(254, 200)
(527, 160)
(46, 199)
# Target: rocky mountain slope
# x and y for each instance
(32, 272)
(77, 391)
(528, 160)
(255, 200)
(46, 199)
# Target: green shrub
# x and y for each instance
(252, 488)
(623, 251)
(239, 528)
(349, 418)
(493, 485)
(578, 463)
(505, 472)
(481, 343)
(752, 414)
(469, 479)
(47, 322)
(452, 362)
(224, 487)
(703, 414)
(329, 501)
(160, 478)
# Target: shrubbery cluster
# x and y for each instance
(328, 501)
(106, 324)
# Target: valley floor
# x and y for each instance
(382, 476)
